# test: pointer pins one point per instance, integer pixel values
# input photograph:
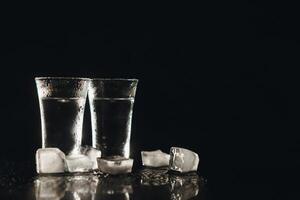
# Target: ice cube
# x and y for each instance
(92, 153)
(50, 160)
(183, 160)
(184, 187)
(78, 163)
(155, 158)
(115, 165)
(49, 188)
(154, 176)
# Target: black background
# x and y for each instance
(219, 78)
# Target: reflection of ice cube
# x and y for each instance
(50, 160)
(184, 187)
(155, 177)
(155, 158)
(82, 187)
(183, 160)
(50, 188)
(84, 184)
(115, 165)
(78, 163)
(92, 153)
(79, 187)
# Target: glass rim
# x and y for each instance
(115, 79)
(60, 78)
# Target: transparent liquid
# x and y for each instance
(111, 125)
(62, 123)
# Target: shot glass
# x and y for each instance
(62, 102)
(111, 102)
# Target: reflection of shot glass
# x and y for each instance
(111, 102)
(116, 187)
(62, 101)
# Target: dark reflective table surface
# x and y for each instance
(19, 181)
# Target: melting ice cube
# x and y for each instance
(183, 160)
(115, 165)
(49, 188)
(154, 176)
(92, 153)
(78, 163)
(50, 160)
(155, 158)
